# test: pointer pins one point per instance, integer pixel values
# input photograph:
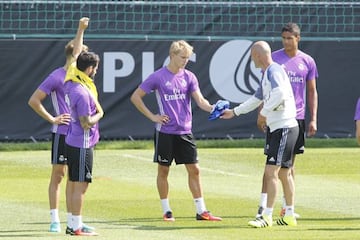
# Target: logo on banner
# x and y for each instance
(232, 73)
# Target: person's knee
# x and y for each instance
(270, 172)
(59, 171)
(163, 171)
(284, 174)
(193, 170)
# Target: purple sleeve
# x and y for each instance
(48, 85)
(357, 110)
(149, 84)
(194, 83)
(313, 73)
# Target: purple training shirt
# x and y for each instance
(173, 95)
(300, 69)
(81, 104)
(53, 85)
(357, 110)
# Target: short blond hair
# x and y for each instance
(181, 45)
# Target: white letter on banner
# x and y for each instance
(147, 64)
(110, 71)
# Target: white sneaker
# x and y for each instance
(55, 227)
(261, 222)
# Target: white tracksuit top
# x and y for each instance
(276, 93)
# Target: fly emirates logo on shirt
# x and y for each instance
(294, 76)
(176, 94)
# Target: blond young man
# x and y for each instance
(174, 87)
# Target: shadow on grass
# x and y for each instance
(155, 224)
(181, 223)
(27, 233)
(330, 229)
(179, 219)
(331, 219)
(172, 228)
(21, 233)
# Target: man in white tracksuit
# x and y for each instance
(276, 95)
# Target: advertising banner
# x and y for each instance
(224, 70)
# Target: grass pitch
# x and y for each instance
(122, 202)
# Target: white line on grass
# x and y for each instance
(202, 168)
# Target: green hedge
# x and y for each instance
(219, 143)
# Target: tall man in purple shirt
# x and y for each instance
(357, 121)
(53, 86)
(302, 71)
(174, 87)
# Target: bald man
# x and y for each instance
(279, 110)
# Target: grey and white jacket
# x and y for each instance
(276, 93)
